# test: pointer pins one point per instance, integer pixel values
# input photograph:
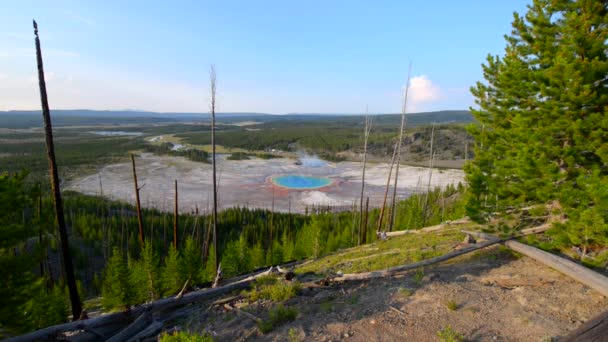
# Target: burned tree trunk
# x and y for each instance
(140, 223)
(55, 187)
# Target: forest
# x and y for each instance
(111, 262)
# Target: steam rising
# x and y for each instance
(309, 160)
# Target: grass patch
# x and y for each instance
(448, 334)
(396, 251)
(181, 336)
(273, 289)
(278, 316)
(451, 305)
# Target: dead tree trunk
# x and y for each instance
(140, 223)
(175, 218)
(212, 79)
(403, 111)
(364, 230)
(388, 184)
(55, 187)
(368, 127)
(271, 225)
(428, 187)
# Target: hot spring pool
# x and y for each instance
(301, 182)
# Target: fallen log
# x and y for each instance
(595, 330)
(398, 269)
(152, 330)
(137, 326)
(415, 231)
(162, 304)
(577, 272)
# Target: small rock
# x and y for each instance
(346, 335)
(373, 321)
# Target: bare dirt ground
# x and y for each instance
(496, 297)
(246, 183)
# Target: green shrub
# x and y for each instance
(451, 305)
(448, 334)
(273, 289)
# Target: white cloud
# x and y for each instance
(422, 92)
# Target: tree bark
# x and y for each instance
(55, 186)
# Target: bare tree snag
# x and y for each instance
(366, 131)
(365, 219)
(212, 81)
(391, 220)
(55, 187)
(140, 223)
(428, 186)
(388, 184)
(175, 218)
(577, 272)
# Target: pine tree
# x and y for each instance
(116, 289)
(172, 278)
(542, 119)
(191, 262)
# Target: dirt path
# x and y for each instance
(497, 297)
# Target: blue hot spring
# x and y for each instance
(301, 182)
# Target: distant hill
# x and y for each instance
(81, 117)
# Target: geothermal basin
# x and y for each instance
(299, 182)
(283, 183)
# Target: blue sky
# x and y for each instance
(271, 56)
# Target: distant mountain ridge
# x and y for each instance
(72, 117)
